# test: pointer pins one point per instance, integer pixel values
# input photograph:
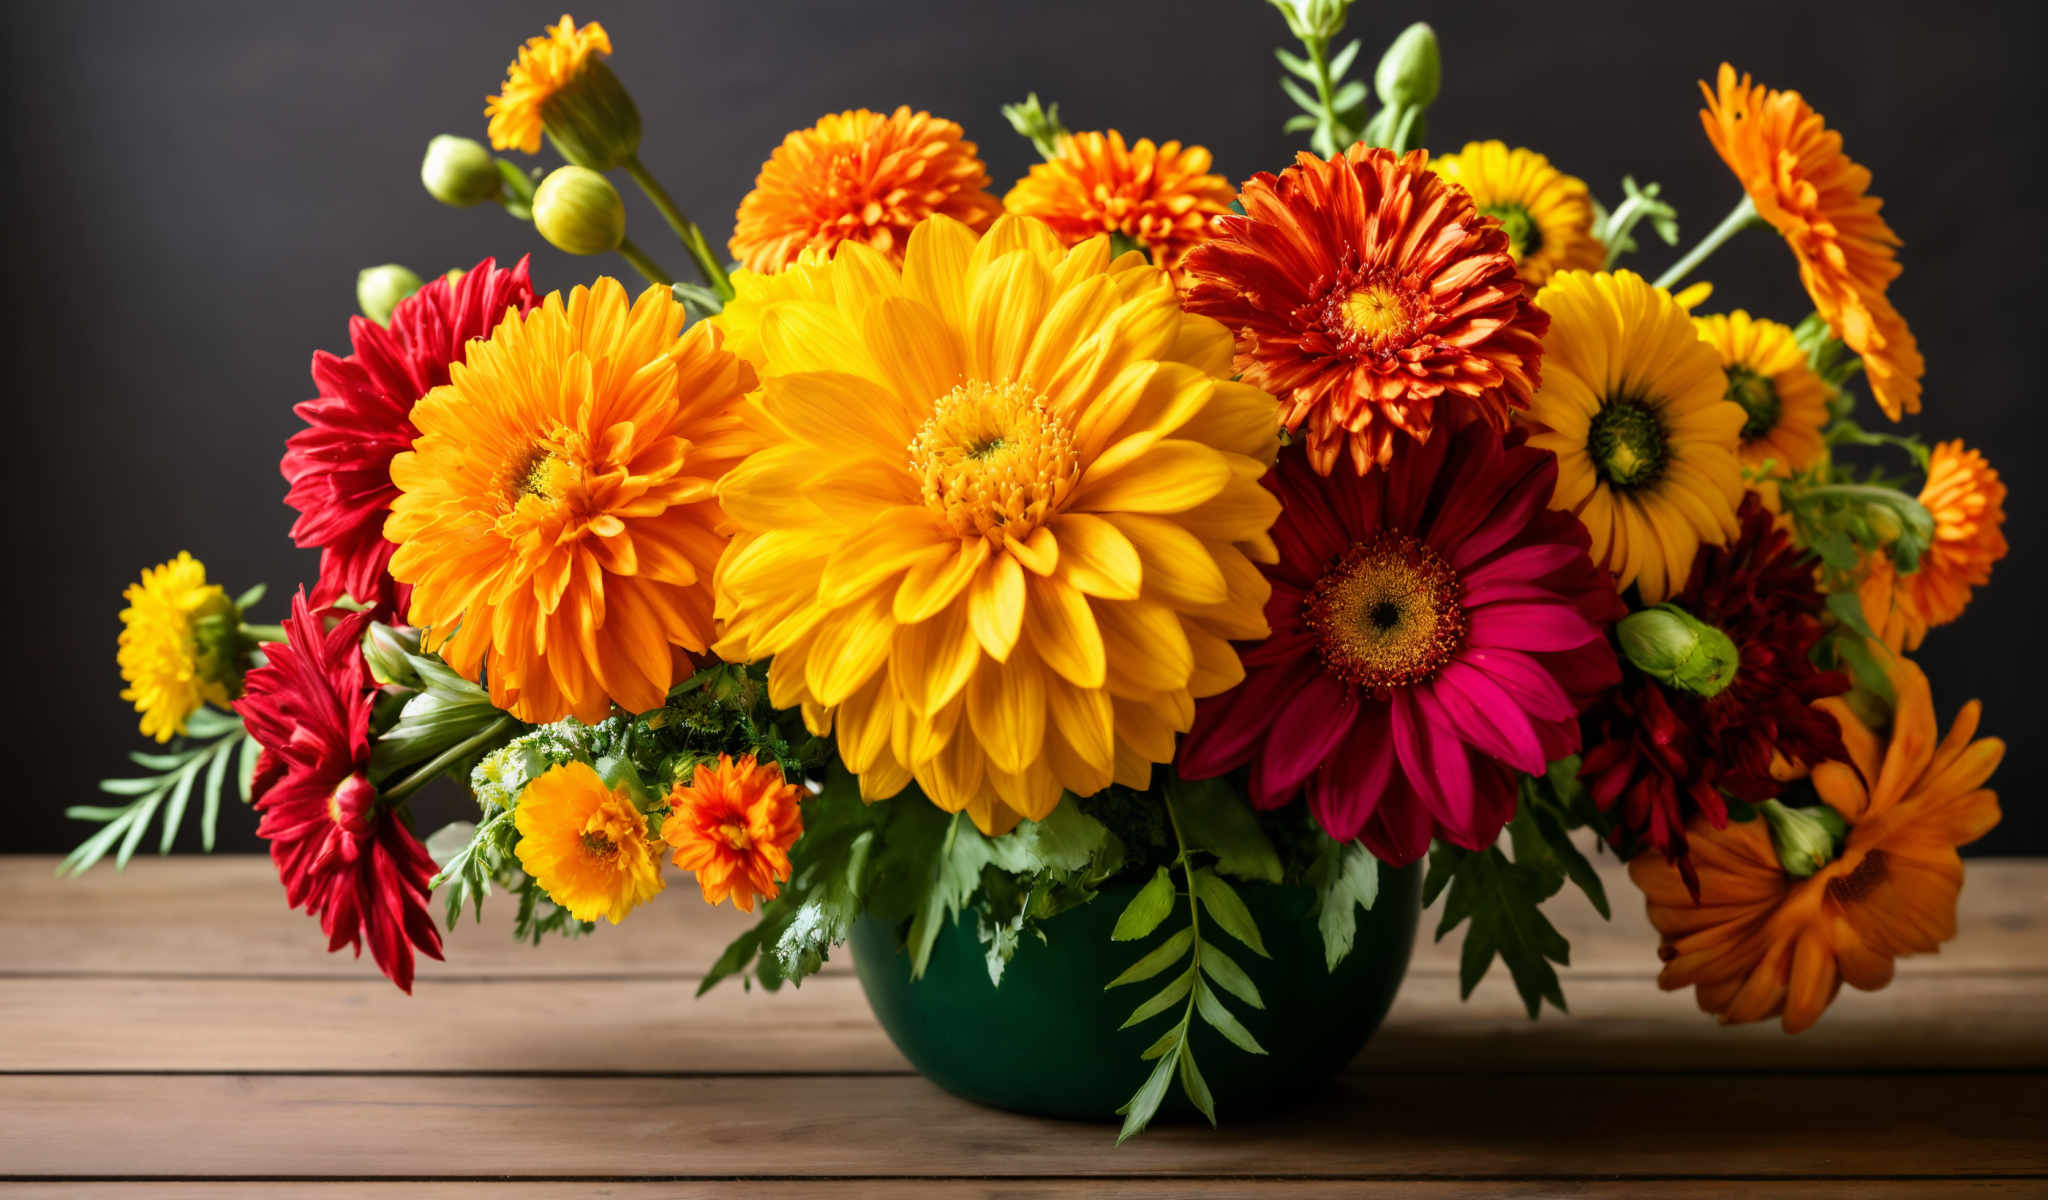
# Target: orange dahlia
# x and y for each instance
(1759, 942)
(556, 515)
(1373, 299)
(545, 65)
(1160, 197)
(864, 177)
(732, 825)
(1817, 198)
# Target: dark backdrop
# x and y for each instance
(192, 188)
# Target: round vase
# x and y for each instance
(1046, 1041)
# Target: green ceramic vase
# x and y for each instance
(1046, 1041)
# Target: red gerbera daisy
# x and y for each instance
(1436, 629)
(1657, 755)
(339, 466)
(1373, 299)
(344, 857)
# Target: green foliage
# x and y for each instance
(1616, 230)
(1346, 878)
(1501, 900)
(1214, 817)
(1554, 804)
(1038, 125)
(1148, 910)
(697, 300)
(195, 765)
(1333, 109)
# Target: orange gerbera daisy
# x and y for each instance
(556, 515)
(864, 177)
(1784, 404)
(1759, 942)
(733, 825)
(1373, 299)
(545, 65)
(1967, 500)
(1160, 197)
(1888, 607)
(1817, 198)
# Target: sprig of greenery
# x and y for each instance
(185, 770)
(1335, 112)
(1038, 125)
(1639, 203)
(1346, 878)
(1501, 900)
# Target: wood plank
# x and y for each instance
(226, 916)
(1395, 1128)
(1051, 1189)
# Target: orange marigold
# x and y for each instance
(1759, 943)
(1967, 500)
(1373, 299)
(864, 177)
(733, 825)
(1817, 198)
(1160, 197)
(545, 65)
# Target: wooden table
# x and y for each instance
(176, 1030)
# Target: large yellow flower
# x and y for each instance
(1633, 405)
(1785, 405)
(585, 844)
(545, 65)
(556, 515)
(1548, 215)
(170, 664)
(1009, 533)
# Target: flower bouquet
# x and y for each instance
(1118, 606)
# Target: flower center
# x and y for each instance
(736, 836)
(597, 845)
(993, 460)
(1627, 444)
(1388, 614)
(543, 471)
(1376, 314)
(1758, 397)
(1525, 237)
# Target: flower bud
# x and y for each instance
(386, 650)
(379, 289)
(592, 120)
(578, 210)
(1314, 20)
(1806, 839)
(459, 172)
(1676, 648)
(1410, 71)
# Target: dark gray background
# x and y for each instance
(192, 188)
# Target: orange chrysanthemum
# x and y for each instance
(1373, 299)
(733, 825)
(544, 66)
(1817, 198)
(1967, 500)
(863, 177)
(1160, 197)
(1759, 943)
(556, 517)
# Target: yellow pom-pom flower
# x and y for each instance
(170, 656)
(1784, 404)
(1633, 404)
(586, 844)
(1547, 214)
(1008, 532)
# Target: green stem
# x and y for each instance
(447, 758)
(1405, 130)
(1620, 223)
(632, 253)
(1741, 217)
(1867, 493)
(261, 634)
(686, 230)
(1187, 870)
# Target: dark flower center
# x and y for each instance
(1758, 397)
(597, 845)
(1525, 237)
(1847, 889)
(1387, 614)
(1627, 443)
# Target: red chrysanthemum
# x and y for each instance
(1658, 755)
(344, 857)
(1373, 299)
(1437, 627)
(339, 466)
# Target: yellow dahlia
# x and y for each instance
(1008, 533)
(585, 844)
(1785, 405)
(1160, 197)
(556, 516)
(171, 652)
(1967, 500)
(863, 177)
(1548, 215)
(545, 65)
(1633, 405)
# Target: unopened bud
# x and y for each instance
(1674, 647)
(1806, 839)
(1410, 71)
(578, 210)
(379, 289)
(459, 172)
(387, 651)
(1314, 20)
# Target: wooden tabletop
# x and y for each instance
(176, 1030)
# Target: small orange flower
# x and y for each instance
(1759, 943)
(733, 825)
(545, 65)
(1967, 500)
(1158, 196)
(1888, 607)
(1817, 198)
(860, 176)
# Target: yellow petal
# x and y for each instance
(932, 584)
(1177, 566)
(1096, 558)
(914, 352)
(1007, 711)
(1061, 627)
(935, 266)
(995, 606)
(897, 538)
(849, 648)
(840, 413)
(1172, 476)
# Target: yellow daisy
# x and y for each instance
(171, 649)
(1633, 404)
(1548, 215)
(1784, 402)
(1008, 533)
(585, 844)
(545, 66)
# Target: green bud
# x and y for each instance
(459, 171)
(1039, 125)
(379, 289)
(1676, 648)
(1806, 839)
(592, 120)
(1314, 20)
(1410, 71)
(385, 650)
(578, 210)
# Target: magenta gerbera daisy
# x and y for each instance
(344, 855)
(339, 466)
(1436, 629)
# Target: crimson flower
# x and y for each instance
(344, 857)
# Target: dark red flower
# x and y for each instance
(1436, 629)
(339, 466)
(1657, 755)
(344, 857)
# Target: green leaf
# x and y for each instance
(1542, 827)
(1296, 93)
(1348, 97)
(1158, 959)
(1147, 910)
(1501, 901)
(248, 599)
(733, 961)
(1296, 64)
(1140, 1108)
(1067, 840)
(1299, 122)
(1214, 817)
(1166, 1041)
(697, 300)
(952, 879)
(216, 781)
(1340, 63)
(1227, 909)
(1228, 975)
(1196, 1087)
(1175, 991)
(174, 809)
(1346, 878)
(1222, 1021)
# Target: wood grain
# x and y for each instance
(1046, 1189)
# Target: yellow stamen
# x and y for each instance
(993, 460)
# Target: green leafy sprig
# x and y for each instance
(184, 771)
(1616, 230)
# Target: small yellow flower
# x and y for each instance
(170, 652)
(1784, 404)
(1548, 215)
(547, 66)
(586, 844)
